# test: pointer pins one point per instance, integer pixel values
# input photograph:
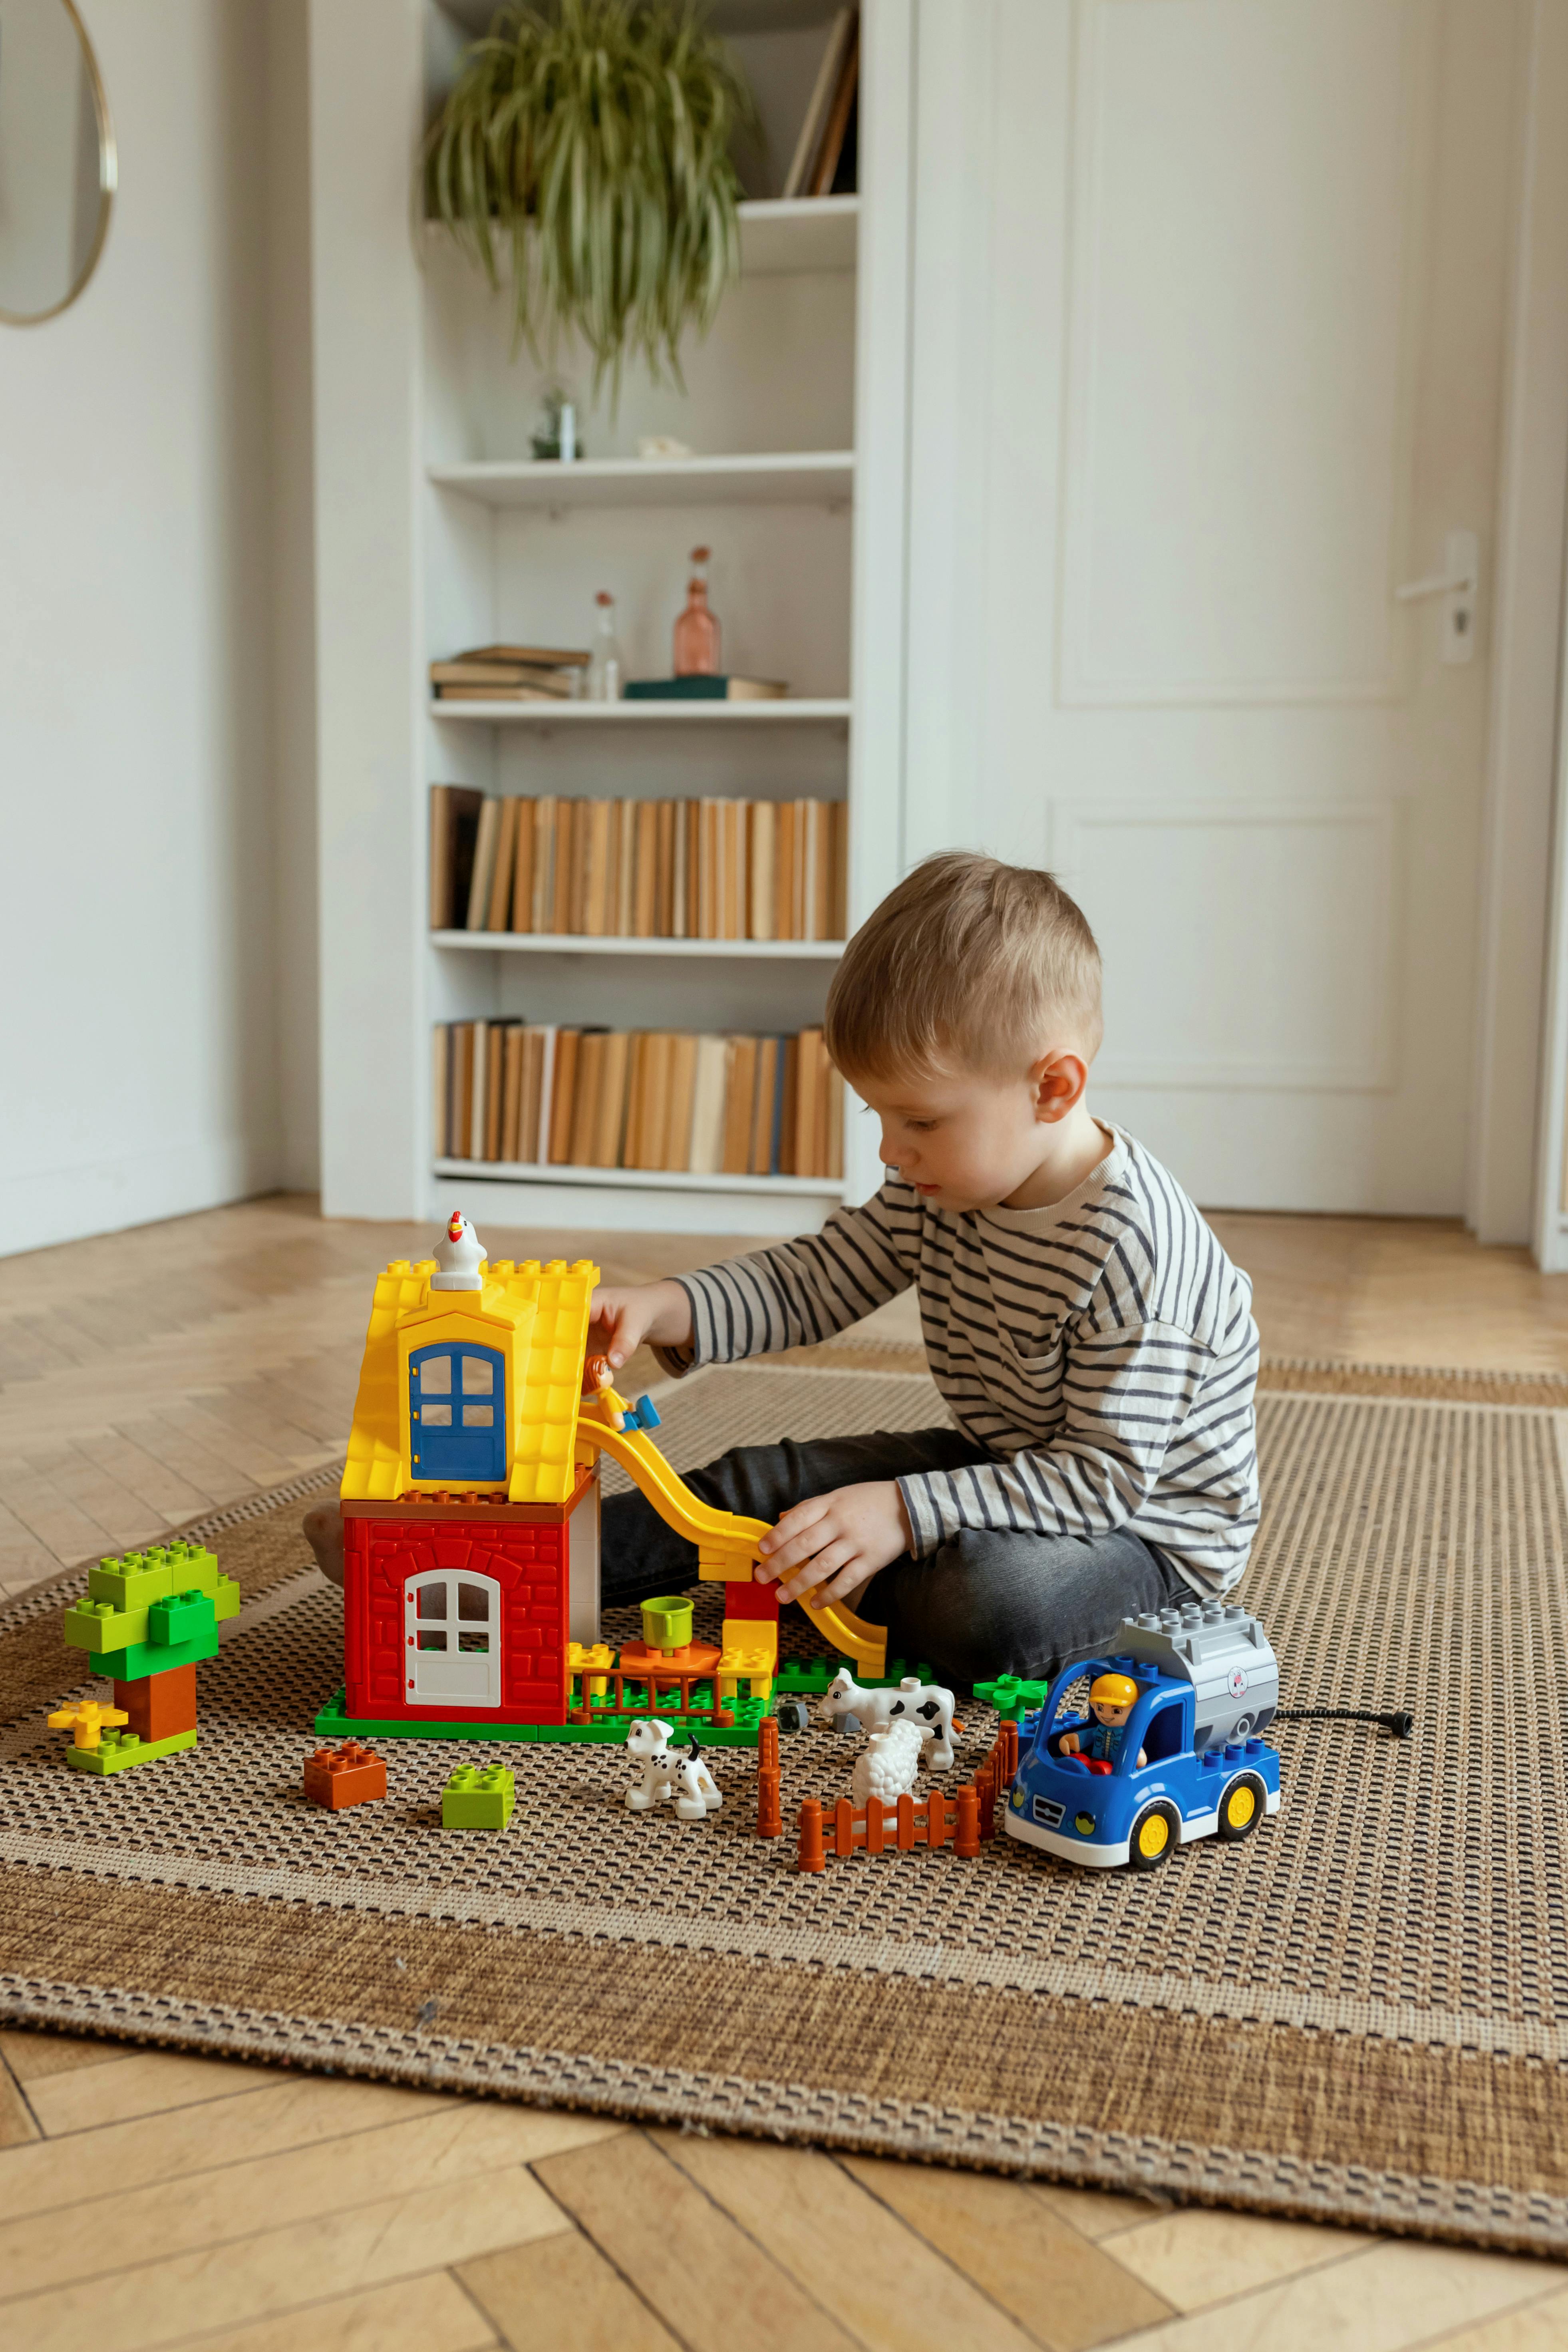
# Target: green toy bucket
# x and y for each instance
(667, 1623)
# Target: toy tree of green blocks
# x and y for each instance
(151, 1611)
(146, 1619)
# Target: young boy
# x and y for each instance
(1092, 1341)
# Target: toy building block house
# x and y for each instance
(470, 1526)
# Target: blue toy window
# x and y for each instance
(457, 1414)
(1163, 1737)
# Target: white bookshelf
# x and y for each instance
(643, 1180)
(785, 238)
(591, 943)
(436, 530)
(799, 711)
(773, 477)
(779, 238)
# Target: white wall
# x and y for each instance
(149, 807)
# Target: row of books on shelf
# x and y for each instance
(541, 1096)
(639, 870)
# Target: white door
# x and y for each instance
(453, 1626)
(1207, 361)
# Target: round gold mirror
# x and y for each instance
(56, 159)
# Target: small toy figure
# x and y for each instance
(886, 1766)
(667, 1777)
(1111, 1699)
(459, 1254)
(926, 1704)
(597, 1382)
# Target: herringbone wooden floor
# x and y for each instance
(148, 2199)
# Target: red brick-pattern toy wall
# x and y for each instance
(528, 1562)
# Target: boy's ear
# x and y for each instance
(1058, 1081)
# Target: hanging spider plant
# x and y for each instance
(594, 136)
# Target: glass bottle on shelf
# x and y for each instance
(604, 658)
(696, 630)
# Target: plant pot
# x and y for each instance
(667, 1623)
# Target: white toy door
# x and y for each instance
(452, 1623)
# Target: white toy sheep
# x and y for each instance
(886, 1767)
(668, 1776)
(925, 1704)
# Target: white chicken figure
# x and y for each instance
(885, 1767)
(459, 1254)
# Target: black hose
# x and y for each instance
(1399, 1723)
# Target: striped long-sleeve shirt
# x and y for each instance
(1101, 1352)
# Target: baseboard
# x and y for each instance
(49, 1205)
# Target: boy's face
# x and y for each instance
(964, 1142)
(1109, 1714)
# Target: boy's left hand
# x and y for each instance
(830, 1545)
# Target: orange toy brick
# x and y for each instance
(349, 1775)
(160, 1704)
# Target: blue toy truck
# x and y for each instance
(1209, 1684)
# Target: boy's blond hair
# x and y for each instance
(970, 965)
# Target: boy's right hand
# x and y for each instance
(620, 1320)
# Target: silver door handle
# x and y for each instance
(1459, 580)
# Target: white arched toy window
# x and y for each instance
(451, 1623)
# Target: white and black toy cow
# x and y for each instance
(667, 1777)
(925, 1704)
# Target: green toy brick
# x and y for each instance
(180, 1617)
(139, 1577)
(193, 1569)
(141, 1658)
(226, 1598)
(133, 1582)
(117, 1751)
(98, 1626)
(473, 1800)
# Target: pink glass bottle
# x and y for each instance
(696, 630)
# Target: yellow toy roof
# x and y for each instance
(537, 1314)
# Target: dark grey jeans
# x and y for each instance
(983, 1604)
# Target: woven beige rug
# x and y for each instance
(1361, 2014)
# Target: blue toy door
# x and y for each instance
(457, 1414)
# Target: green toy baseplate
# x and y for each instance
(603, 1729)
(809, 1678)
(117, 1751)
(608, 1726)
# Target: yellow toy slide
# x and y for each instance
(726, 1542)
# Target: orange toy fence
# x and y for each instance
(968, 1819)
(770, 1817)
(654, 1686)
